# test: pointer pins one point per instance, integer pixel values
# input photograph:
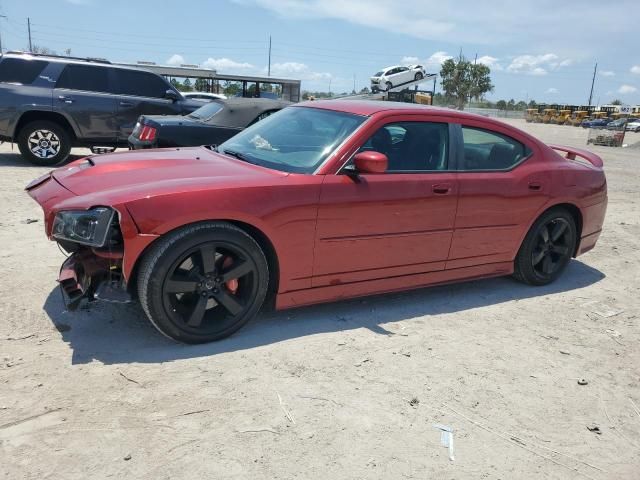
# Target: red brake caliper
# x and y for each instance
(232, 285)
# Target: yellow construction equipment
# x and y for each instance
(596, 115)
(530, 114)
(561, 118)
(548, 114)
(577, 118)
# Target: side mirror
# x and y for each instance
(370, 162)
(171, 95)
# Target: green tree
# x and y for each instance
(533, 104)
(231, 88)
(200, 84)
(365, 90)
(501, 105)
(187, 85)
(521, 105)
(462, 80)
(616, 102)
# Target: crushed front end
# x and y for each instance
(92, 238)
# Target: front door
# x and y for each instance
(140, 93)
(391, 224)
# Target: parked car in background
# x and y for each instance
(204, 96)
(321, 201)
(390, 77)
(595, 123)
(618, 124)
(211, 124)
(633, 125)
(49, 104)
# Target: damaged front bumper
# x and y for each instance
(93, 275)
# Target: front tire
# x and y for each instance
(547, 248)
(418, 76)
(203, 282)
(44, 143)
(389, 86)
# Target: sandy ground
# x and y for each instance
(345, 390)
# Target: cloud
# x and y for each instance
(537, 64)
(607, 73)
(386, 16)
(551, 90)
(300, 71)
(491, 62)
(624, 89)
(432, 63)
(176, 60)
(409, 60)
(226, 65)
(635, 69)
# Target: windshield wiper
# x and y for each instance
(238, 155)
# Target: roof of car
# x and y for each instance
(101, 62)
(371, 107)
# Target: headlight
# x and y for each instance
(87, 227)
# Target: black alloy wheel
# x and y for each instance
(203, 283)
(547, 248)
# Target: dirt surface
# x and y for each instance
(344, 390)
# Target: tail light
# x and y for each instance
(148, 133)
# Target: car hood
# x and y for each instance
(120, 177)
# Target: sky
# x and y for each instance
(543, 50)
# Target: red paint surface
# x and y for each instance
(336, 236)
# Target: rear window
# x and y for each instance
(140, 84)
(85, 78)
(20, 70)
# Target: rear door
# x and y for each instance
(502, 185)
(85, 94)
(140, 93)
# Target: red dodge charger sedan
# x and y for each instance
(318, 202)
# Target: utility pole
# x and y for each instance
(329, 87)
(29, 29)
(354, 83)
(593, 81)
(269, 67)
(1, 16)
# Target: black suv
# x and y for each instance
(49, 104)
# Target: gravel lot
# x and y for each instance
(344, 390)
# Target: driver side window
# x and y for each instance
(412, 147)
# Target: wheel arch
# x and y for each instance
(40, 115)
(254, 232)
(573, 210)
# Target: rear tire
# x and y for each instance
(419, 76)
(547, 248)
(44, 143)
(203, 282)
(389, 86)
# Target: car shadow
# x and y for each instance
(116, 333)
(14, 159)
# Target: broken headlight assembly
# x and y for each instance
(86, 227)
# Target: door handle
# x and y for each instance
(126, 104)
(441, 188)
(536, 186)
(64, 99)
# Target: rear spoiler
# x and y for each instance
(571, 153)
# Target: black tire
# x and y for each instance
(59, 139)
(547, 248)
(419, 76)
(199, 253)
(389, 86)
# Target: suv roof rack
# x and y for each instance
(84, 59)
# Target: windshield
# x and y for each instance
(207, 111)
(296, 139)
(379, 73)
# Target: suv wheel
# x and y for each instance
(44, 143)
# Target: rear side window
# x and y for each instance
(140, 84)
(84, 78)
(487, 150)
(22, 71)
